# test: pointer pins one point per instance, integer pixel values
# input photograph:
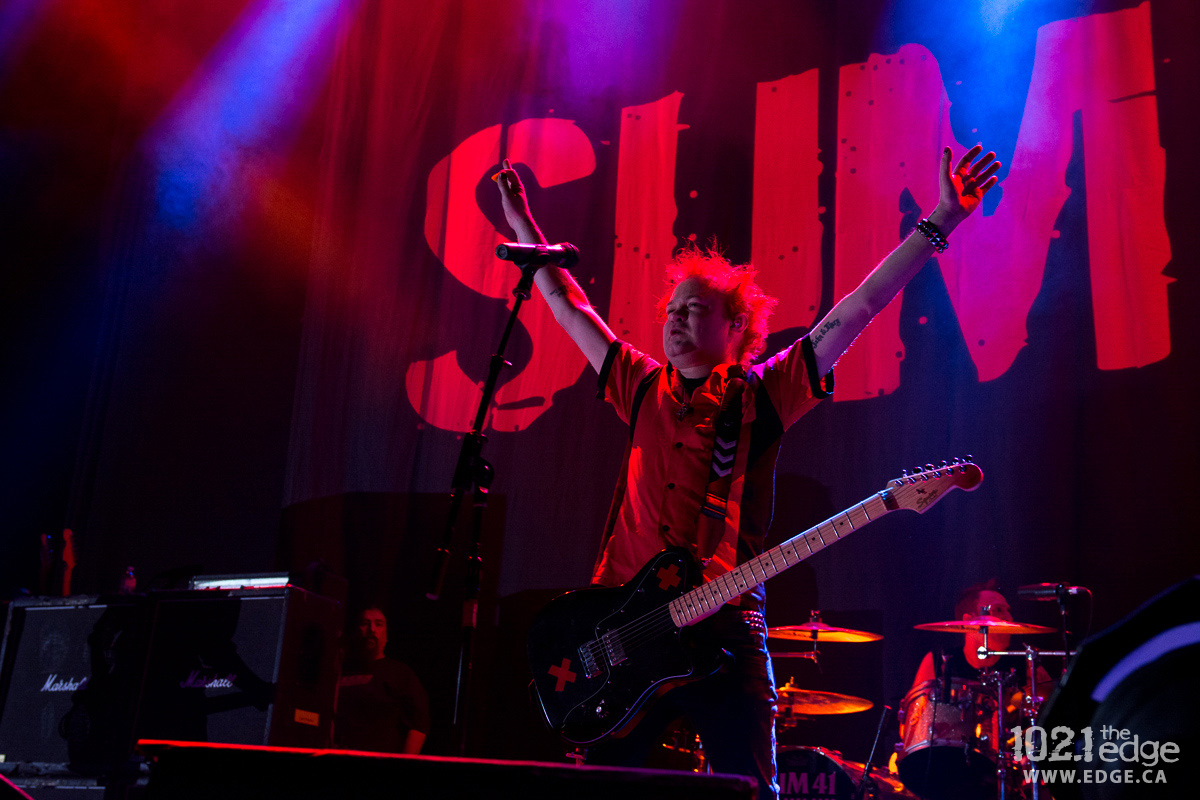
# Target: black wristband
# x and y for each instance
(931, 232)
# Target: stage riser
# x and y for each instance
(190, 774)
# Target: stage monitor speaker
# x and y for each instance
(70, 671)
(251, 666)
(1124, 713)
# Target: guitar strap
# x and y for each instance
(710, 527)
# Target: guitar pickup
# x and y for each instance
(613, 649)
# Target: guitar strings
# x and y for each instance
(637, 632)
(648, 626)
(645, 628)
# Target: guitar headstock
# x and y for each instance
(921, 487)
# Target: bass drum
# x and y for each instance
(949, 748)
(809, 773)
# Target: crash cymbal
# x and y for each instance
(809, 702)
(993, 624)
(820, 632)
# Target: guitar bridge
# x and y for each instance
(587, 657)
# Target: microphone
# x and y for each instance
(564, 254)
(1047, 591)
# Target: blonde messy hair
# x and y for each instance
(734, 282)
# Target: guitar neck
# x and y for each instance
(704, 600)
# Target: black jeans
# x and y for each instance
(733, 710)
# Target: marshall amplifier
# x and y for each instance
(247, 666)
(70, 672)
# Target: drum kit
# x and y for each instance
(953, 730)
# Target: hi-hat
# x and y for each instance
(993, 624)
(809, 702)
(820, 632)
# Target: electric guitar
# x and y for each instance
(598, 655)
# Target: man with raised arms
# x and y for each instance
(714, 327)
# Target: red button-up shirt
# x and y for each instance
(671, 453)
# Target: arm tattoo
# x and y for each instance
(826, 328)
(560, 291)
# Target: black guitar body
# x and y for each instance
(599, 654)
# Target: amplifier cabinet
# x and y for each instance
(242, 667)
(70, 673)
(82, 678)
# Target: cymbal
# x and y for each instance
(993, 624)
(811, 702)
(820, 632)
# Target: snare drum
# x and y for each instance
(949, 747)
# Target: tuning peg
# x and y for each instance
(945, 463)
(956, 459)
(970, 459)
(903, 473)
(917, 470)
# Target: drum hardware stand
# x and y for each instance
(1003, 756)
(867, 784)
(1061, 596)
(1031, 655)
(813, 655)
(473, 474)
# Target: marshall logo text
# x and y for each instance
(197, 681)
(56, 684)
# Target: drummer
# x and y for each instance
(980, 600)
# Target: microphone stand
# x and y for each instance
(1061, 594)
(867, 784)
(473, 475)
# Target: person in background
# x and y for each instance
(381, 704)
(981, 600)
